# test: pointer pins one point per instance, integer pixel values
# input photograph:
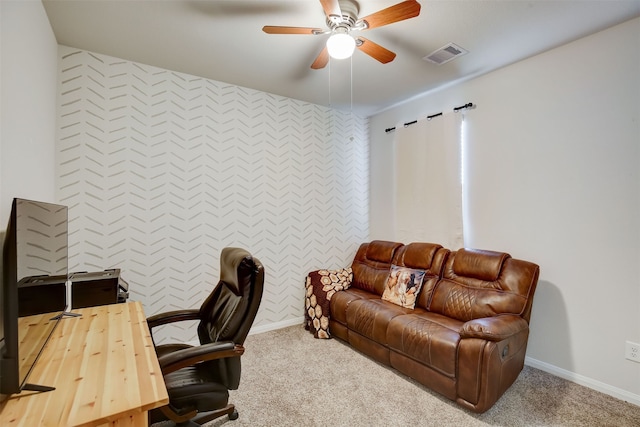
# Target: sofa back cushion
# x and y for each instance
(479, 283)
(429, 257)
(372, 264)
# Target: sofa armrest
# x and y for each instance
(496, 328)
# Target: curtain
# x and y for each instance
(428, 187)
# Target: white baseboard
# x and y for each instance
(616, 392)
(264, 328)
(277, 325)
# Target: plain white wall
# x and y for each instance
(28, 88)
(552, 155)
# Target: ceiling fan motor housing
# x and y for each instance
(349, 9)
(342, 18)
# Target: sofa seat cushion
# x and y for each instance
(428, 338)
(370, 318)
(341, 301)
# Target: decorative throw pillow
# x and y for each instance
(403, 286)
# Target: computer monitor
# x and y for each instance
(35, 245)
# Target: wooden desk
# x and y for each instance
(103, 366)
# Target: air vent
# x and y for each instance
(445, 54)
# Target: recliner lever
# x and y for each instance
(505, 351)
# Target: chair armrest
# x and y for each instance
(495, 328)
(190, 356)
(172, 316)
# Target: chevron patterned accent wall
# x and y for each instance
(161, 170)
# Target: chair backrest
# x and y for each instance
(229, 311)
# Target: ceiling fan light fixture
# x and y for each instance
(341, 45)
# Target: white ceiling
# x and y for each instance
(223, 41)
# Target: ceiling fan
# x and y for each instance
(342, 18)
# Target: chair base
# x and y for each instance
(198, 419)
(234, 415)
(205, 417)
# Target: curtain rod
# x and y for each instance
(455, 110)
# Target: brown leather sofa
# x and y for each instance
(465, 338)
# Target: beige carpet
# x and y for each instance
(291, 379)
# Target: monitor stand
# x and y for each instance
(36, 387)
(65, 314)
(67, 310)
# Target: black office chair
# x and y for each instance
(198, 379)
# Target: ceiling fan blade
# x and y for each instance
(374, 50)
(270, 29)
(331, 8)
(399, 12)
(322, 60)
